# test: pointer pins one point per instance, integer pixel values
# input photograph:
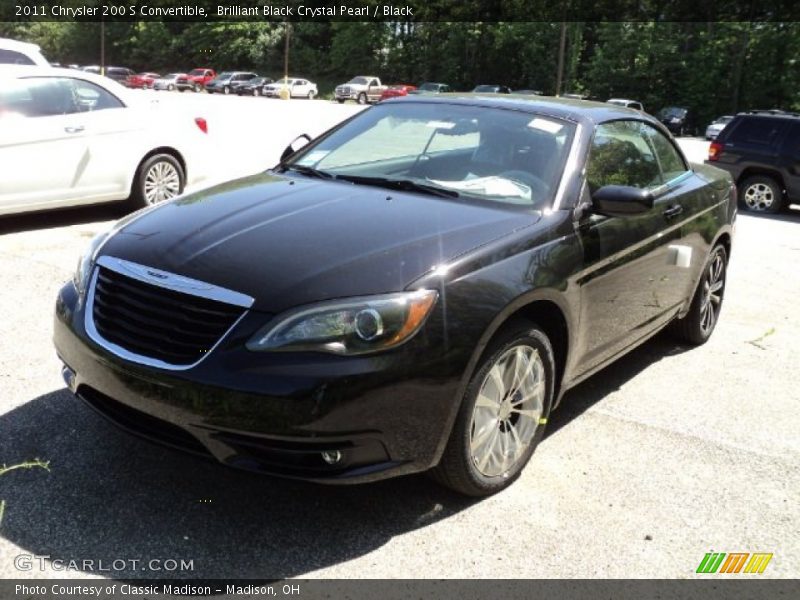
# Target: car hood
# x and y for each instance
(292, 241)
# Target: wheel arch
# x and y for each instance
(162, 150)
(764, 172)
(549, 310)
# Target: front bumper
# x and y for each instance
(385, 415)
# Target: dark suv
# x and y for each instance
(761, 150)
(229, 81)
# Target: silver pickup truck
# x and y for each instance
(362, 89)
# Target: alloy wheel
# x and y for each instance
(507, 411)
(161, 182)
(759, 196)
(713, 289)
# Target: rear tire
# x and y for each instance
(310, 95)
(503, 413)
(171, 87)
(698, 325)
(159, 178)
(761, 194)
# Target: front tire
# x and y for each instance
(362, 98)
(761, 194)
(340, 100)
(502, 415)
(157, 179)
(698, 325)
(226, 90)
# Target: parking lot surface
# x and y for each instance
(668, 454)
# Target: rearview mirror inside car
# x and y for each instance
(300, 142)
(622, 200)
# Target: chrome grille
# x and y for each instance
(154, 323)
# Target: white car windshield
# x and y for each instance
(467, 151)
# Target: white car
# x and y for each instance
(69, 138)
(13, 52)
(713, 130)
(298, 88)
(634, 104)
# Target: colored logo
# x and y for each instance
(734, 562)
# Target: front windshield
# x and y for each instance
(225, 75)
(724, 120)
(429, 87)
(358, 80)
(674, 112)
(195, 72)
(491, 154)
(485, 88)
(174, 75)
(284, 81)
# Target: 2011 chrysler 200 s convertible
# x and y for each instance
(413, 290)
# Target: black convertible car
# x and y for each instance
(414, 290)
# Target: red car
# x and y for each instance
(395, 91)
(200, 77)
(141, 80)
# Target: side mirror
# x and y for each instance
(300, 142)
(622, 200)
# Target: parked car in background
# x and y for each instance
(574, 96)
(528, 92)
(522, 252)
(634, 104)
(254, 87)
(491, 89)
(761, 150)
(430, 87)
(397, 90)
(362, 89)
(717, 125)
(298, 88)
(229, 81)
(676, 119)
(13, 52)
(171, 82)
(142, 80)
(72, 138)
(200, 77)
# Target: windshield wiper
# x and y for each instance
(305, 170)
(406, 185)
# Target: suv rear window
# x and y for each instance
(757, 130)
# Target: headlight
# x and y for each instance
(86, 262)
(353, 326)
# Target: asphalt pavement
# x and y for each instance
(670, 453)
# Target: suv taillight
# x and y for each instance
(714, 150)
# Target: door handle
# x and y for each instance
(673, 211)
(74, 129)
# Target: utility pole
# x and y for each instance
(102, 47)
(286, 93)
(561, 48)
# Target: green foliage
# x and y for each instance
(711, 68)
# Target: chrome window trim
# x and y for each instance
(173, 282)
(570, 168)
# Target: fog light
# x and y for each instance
(332, 456)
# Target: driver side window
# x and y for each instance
(621, 154)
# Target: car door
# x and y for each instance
(42, 145)
(631, 283)
(115, 141)
(791, 153)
